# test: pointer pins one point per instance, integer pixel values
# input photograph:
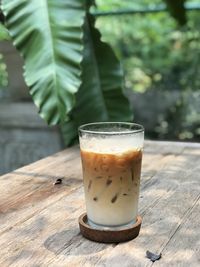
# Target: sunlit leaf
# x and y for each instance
(100, 97)
(48, 35)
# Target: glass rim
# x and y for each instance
(104, 132)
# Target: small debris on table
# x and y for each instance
(58, 181)
(152, 256)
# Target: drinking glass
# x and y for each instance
(111, 154)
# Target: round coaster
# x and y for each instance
(107, 235)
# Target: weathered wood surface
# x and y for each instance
(38, 220)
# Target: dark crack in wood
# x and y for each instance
(99, 177)
(108, 182)
(89, 185)
(114, 199)
(132, 174)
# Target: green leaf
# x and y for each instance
(100, 97)
(48, 34)
(4, 35)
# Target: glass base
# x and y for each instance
(111, 227)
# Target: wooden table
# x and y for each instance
(38, 220)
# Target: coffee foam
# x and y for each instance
(115, 144)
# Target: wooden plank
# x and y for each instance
(45, 237)
(26, 191)
(23, 213)
(37, 183)
(44, 232)
(49, 169)
(170, 199)
(183, 248)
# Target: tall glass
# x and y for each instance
(111, 154)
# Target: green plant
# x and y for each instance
(159, 57)
(73, 76)
(3, 68)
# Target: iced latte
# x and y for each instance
(111, 174)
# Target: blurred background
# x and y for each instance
(158, 43)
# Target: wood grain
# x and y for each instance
(38, 220)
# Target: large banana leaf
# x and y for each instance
(100, 97)
(48, 34)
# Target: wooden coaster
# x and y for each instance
(109, 236)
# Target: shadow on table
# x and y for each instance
(71, 242)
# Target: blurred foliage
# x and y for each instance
(158, 54)
(3, 73)
(116, 4)
(3, 69)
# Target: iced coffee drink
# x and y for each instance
(111, 166)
